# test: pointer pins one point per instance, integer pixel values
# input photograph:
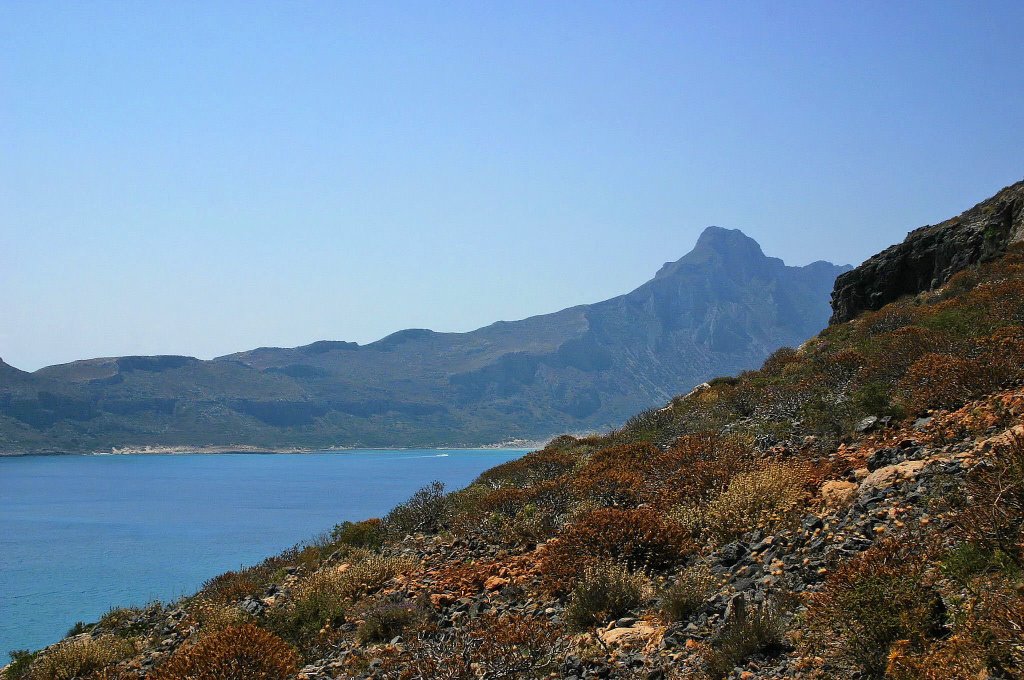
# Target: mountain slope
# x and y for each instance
(853, 509)
(720, 309)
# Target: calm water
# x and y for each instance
(80, 534)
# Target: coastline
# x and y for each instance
(516, 445)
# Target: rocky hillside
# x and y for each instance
(853, 509)
(931, 255)
(719, 310)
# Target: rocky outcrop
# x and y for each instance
(929, 256)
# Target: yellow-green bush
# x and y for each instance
(606, 591)
(367, 534)
(688, 593)
(764, 498)
(368, 575)
(317, 607)
(78, 657)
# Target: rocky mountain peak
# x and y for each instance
(729, 248)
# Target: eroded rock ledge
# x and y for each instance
(929, 256)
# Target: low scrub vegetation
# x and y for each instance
(767, 498)
(684, 511)
(604, 592)
(639, 540)
(761, 630)
(870, 603)
(235, 653)
(387, 618)
(368, 534)
(423, 513)
(75, 658)
(688, 593)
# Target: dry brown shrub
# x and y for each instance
(385, 617)
(608, 483)
(1000, 623)
(236, 653)
(781, 359)
(989, 639)
(1000, 358)
(695, 468)
(501, 647)
(640, 539)
(955, 659)
(993, 516)
(538, 466)
(937, 381)
(515, 646)
(233, 586)
(999, 302)
(891, 354)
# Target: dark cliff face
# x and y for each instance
(929, 256)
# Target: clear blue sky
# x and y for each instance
(200, 178)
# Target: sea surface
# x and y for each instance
(82, 534)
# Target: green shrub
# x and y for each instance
(967, 560)
(77, 629)
(21, 662)
(318, 604)
(688, 593)
(606, 591)
(422, 513)
(127, 621)
(386, 619)
(762, 630)
(368, 534)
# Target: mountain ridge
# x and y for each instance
(721, 308)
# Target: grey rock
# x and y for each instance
(867, 424)
(882, 458)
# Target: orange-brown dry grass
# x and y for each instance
(640, 539)
(235, 653)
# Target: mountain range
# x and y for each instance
(721, 309)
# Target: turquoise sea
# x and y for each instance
(81, 534)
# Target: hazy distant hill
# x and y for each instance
(720, 309)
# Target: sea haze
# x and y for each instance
(81, 534)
